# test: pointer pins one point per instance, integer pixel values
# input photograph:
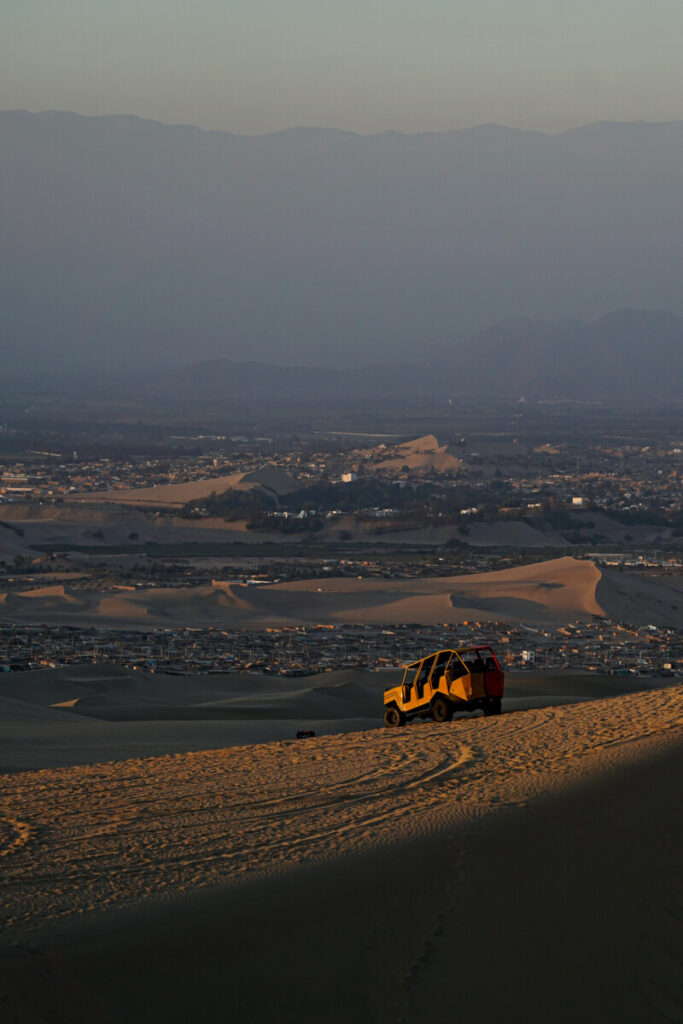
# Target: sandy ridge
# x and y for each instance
(557, 590)
(268, 477)
(121, 833)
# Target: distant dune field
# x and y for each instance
(101, 520)
(114, 518)
(559, 590)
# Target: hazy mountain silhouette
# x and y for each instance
(625, 355)
(127, 244)
(217, 377)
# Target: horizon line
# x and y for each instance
(345, 131)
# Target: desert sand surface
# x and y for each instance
(11, 545)
(642, 600)
(106, 528)
(86, 713)
(524, 868)
(110, 524)
(559, 590)
(269, 478)
(421, 455)
(102, 519)
(92, 713)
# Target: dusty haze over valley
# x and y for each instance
(321, 247)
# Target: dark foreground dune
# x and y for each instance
(521, 869)
(568, 911)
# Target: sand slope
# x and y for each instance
(11, 545)
(61, 717)
(642, 600)
(559, 590)
(420, 456)
(73, 716)
(568, 910)
(114, 834)
(271, 478)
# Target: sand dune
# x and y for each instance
(567, 909)
(121, 526)
(270, 478)
(558, 590)
(46, 595)
(81, 524)
(561, 590)
(359, 868)
(641, 600)
(350, 792)
(166, 495)
(71, 716)
(420, 455)
(11, 545)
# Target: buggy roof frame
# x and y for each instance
(452, 650)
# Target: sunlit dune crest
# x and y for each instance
(269, 478)
(420, 456)
(563, 589)
(180, 823)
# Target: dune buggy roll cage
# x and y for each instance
(449, 662)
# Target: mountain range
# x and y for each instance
(627, 355)
(129, 246)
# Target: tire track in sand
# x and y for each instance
(123, 832)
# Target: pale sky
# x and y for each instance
(364, 65)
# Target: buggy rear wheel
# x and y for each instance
(492, 706)
(442, 710)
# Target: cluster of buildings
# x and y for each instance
(49, 477)
(608, 477)
(597, 646)
(627, 477)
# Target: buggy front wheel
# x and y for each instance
(393, 718)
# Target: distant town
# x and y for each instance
(122, 508)
(593, 646)
(500, 477)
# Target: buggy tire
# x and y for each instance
(492, 706)
(393, 718)
(442, 710)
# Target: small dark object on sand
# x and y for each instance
(305, 734)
